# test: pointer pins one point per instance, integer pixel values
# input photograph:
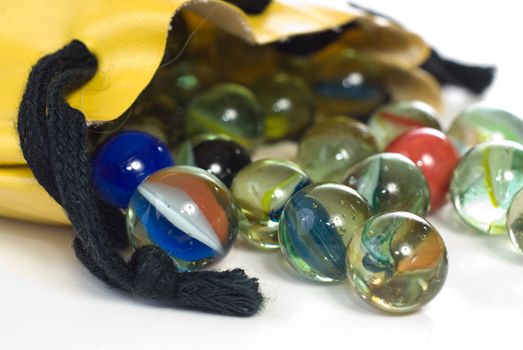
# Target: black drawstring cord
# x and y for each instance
(53, 138)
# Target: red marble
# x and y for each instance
(432, 151)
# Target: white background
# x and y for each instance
(49, 301)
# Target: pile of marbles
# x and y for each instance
(353, 202)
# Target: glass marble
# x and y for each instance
(287, 103)
(348, 83)
(228, 109)
(123, 161)
(316, 226)
(478, 125)
(432, 151)
(261, 190)
(183, 80)
(185, 211)
(217, 154)
(393, 119)
(397, 262)
(329, 148)
(485, 182)
(515, 221)
(390, 182)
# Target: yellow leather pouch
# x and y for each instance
(129, 39)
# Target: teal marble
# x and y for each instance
(478, 125)
(397, 262)
(390, 182)
(484, 184)
(316, 226)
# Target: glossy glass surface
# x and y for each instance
(287, 103)
(390, 182)
(329, 148)
(397, 262)
(479, 125)
(316, 226)
(218, 155)
(185, 211)
(485, 182)
(393, 119)
(347, 83)
(227, 109)
(435, 155)
(515, 221)
(183, 80)
(123, 161)
(261, 190)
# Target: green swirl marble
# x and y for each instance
(390, 182)
(397, 262)
(485, 182)
(479, 125)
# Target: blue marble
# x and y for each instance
(322, 238)
(166, 235)
(316, 226)
(187, 212)
(122, 162)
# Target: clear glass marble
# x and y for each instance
(329, 148)
(390, 182)
(478, 125)
(261, 190)
(228, 109)
(395, 118)
(397, 262)
(485, 182)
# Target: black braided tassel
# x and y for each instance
(53, 138)
(475, 79)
